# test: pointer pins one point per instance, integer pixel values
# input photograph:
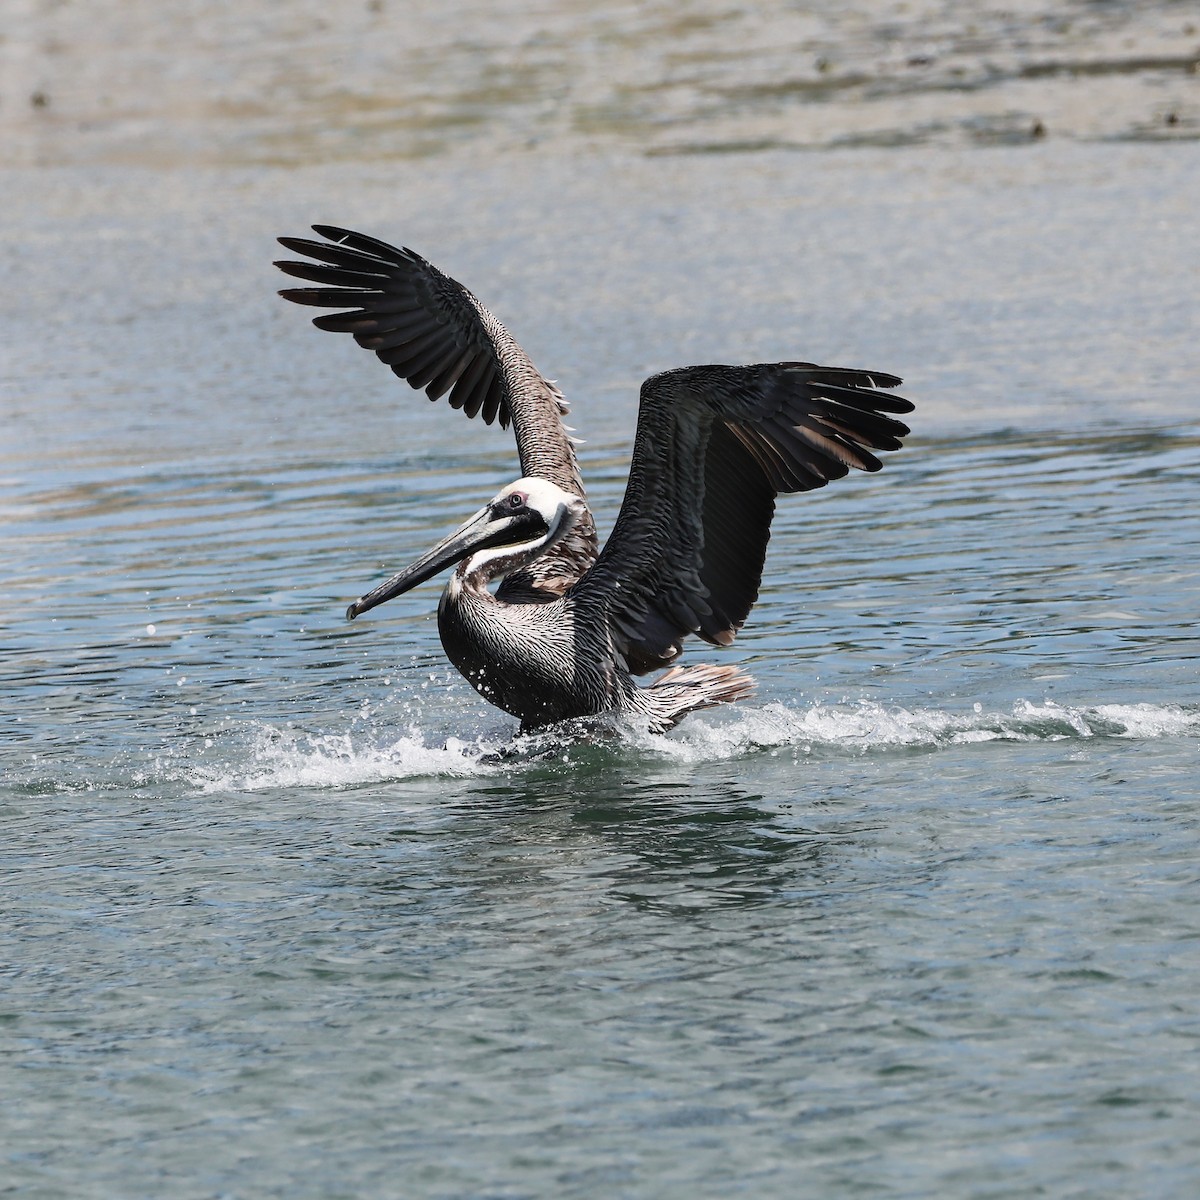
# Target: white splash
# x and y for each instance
(267, 758)
(869, 726)
(1150, 720)
(280, 759)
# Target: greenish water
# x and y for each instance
(277, 918)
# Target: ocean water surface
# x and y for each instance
(286, 911)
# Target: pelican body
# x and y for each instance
(541, 621)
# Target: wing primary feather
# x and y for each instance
(468, 381)
(441, 383)
(493, 402)
(339, 275)
(326, 297)
(426, 368)
(416, 345)
(471, 393)
(324, 252)
(835, 455)
(361, 241)
(845, 375)
(881, 433)
(411, 321)
(344, 322)
(394, 335)
(862, 397)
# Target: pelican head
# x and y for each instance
(520, 522)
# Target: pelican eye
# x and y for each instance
(516, 500)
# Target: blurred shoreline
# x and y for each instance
(255, 84)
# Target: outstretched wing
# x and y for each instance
(435, 334)
(714, 446)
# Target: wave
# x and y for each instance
(271, 758)
(870, 726)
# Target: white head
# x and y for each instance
(522, 521)
(533, 513)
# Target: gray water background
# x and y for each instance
(921, 919)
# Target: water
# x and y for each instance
(282, 913)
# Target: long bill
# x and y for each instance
(480, 532)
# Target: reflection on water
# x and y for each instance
(256, 83)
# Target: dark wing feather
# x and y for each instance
(435, 334)
(714, 446)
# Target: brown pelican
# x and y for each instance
(570, 625)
